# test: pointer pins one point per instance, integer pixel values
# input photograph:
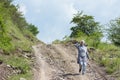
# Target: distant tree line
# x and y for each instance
(86, 26)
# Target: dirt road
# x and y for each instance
(58, 62)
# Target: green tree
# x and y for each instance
(114, 31)
(85, 25)
(32, 28)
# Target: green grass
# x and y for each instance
(27, 76)
(19, 39)
(108, 56)
(21, 62)
(14, 39)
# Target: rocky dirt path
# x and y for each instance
(42, 70)
(58, 62)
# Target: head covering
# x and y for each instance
(83, 41)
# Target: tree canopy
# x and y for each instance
(32, 28)
(85, 25)
(114, 31)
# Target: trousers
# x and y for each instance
(82, 61)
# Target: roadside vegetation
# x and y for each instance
(105, 53)
(16, 36)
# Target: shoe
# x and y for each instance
(79, 70)
(83, 73)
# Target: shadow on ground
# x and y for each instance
(70, 74)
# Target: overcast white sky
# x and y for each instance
(52, 17)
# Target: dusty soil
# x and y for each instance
(58, 62)
(5, 71)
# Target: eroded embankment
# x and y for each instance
(58, 62)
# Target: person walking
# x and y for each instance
(82, 56)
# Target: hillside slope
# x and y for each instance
(16, 42)
(58, 62)
(14, 54)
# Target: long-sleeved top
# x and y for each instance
(82, 50)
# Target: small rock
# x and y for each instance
(22, 79)
(92, 49)
(1, 51)
(1, 62)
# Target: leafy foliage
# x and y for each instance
(114, 31)
(32, 28)
(86, 26)
(15, 37)
(13, 26)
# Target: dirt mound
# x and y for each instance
(58, 62)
